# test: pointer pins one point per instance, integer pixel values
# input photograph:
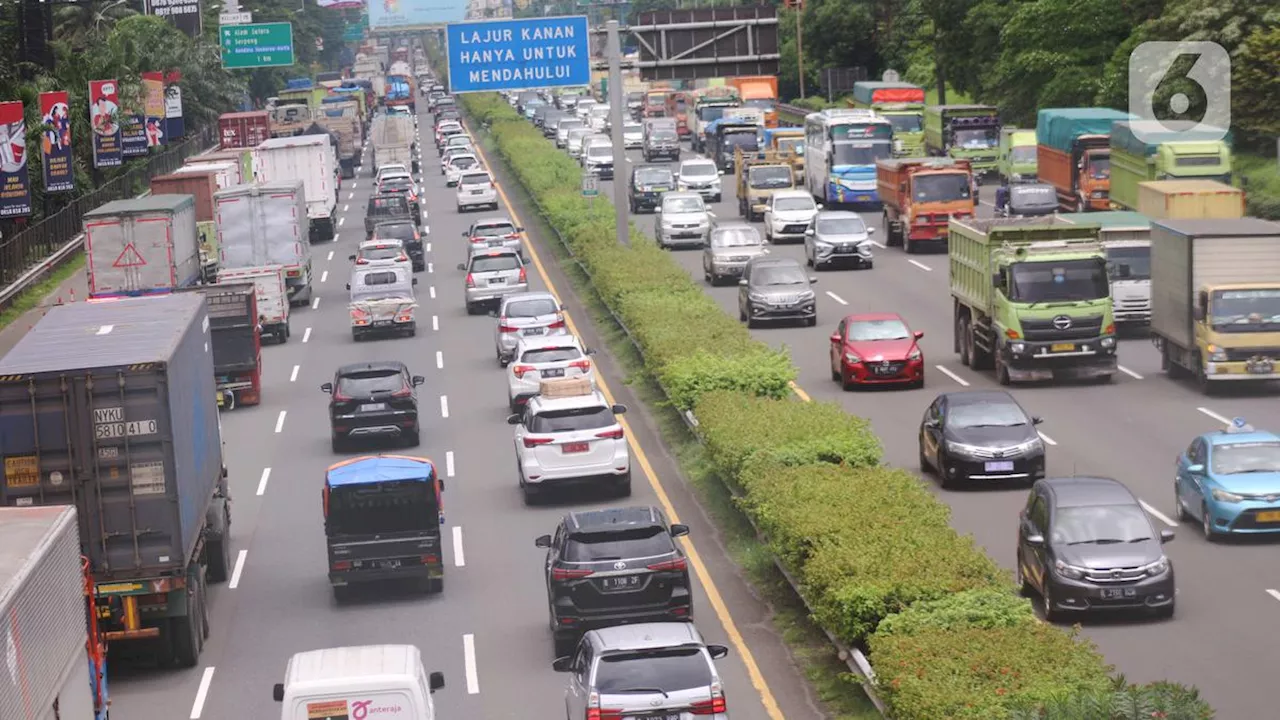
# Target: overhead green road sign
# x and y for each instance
(256, 45)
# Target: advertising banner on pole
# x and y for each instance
(174, 126)
(393, 14)
(153, 107)
(55, 143)
(104, 110)
(133, 135)
(15, 184)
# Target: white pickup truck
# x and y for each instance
(382, 301)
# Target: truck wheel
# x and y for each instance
(229, 400)
(1002, 372)
(217, 549)
(965, 341)
(435, 586)
(186, 632)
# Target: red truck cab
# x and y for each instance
(920, 196)
(678, 107)
(655, 104)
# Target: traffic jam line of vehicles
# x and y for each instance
(1049, 292)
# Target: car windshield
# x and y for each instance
(1059, 281)
(711, 112)
(793, 204)
(699, 170)
(1022, 154)
(976, 139)
(631, 129)
(475, 179)
(568, 124)
(653, 176)
(871, 330)
(744, 140)
(769, 275)
(1245, 457)
(770, 177)
(1100, 525)
(860, 153)
(588, 418)
(551, 355)
(682, 205)
(403, 232)
(463, 163)
(495, 230)
(668, 670)
(599, 151)
(1132, 263)
(794, 145)
(664, 135)
(735, 237)
(397, 186)
(382, 252)
(1243, 311)
(532, 308)
(841, 226)
(1033, 196)
(947, 187)
(382, 507)
(585, 547)
(905, 123)
(762, 104)
(370, 382)
(985, 414)
(494, 263)
(1099, 167)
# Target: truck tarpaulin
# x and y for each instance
(1059, 128)
(877, 93)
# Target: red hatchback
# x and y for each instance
(876, 349)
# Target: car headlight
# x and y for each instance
(1068, 571)
(1226, 497)
(1216, 354)
(1032, 445)
(667, 225)
(1108, 342)
(1017, 348)
(807, 295)
(852, 359)
(757, 297)
(1158, 567)
(915, 355)
(962, 448)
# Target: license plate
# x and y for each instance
(1269, 517)
(864, 198)
(1260, 367)
(1062, 347)
(659, 716)
(1000, 466)
(497, 281)
(620, 582)
(477, 192)
(885, 370)
(495, 243)
(1119, 593)
(534, 331)
(578, 447)
(553, 373)
(661, 189)
(388, 564)
(373, 407)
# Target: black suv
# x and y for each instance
(373, 400)
(615, 566)
(648, 182)
(407, 233)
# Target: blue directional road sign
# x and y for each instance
(518, 54)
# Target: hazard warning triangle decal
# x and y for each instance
(129, 257)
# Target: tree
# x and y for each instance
(1255, 87)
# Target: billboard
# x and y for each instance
(104, 111)
(392, 14)
(153, 104)
(15, 184)
(55, 144)
(493, 55)
(340, 4)
(185, 14)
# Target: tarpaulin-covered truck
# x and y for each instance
(903, 105)
(963, 132)
(1030, 299)
(788, 142)
(237, 347)
(920, 196)
(1073, 154)
(393, 140)
(56, 658)
(110, 406)
(142, 245)
(1161, 154)
(1189, 200)
(402, 88)
(759, 92)
(264, 225)
(243, 129)
(340, 117)
(1126, 237)
(1215, 299)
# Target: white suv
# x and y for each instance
(571, 440)
(546, 358)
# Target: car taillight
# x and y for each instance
(611, 434)
(492, 186)
(557, 325)
(403, 258)
(342, 565)
(471, 281)
(479, 239)
(567, 574)
(677, 564)
(584, 365)
(714, 706)
(339, 396)
(524, 276)
(362, 261)
(506, 328)
(402, 393)
(520, 370)
(535, 442)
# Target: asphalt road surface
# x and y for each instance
(1132, 430)
(488, 631)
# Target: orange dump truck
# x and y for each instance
(1073, 154)
(679, 105)
(759, 92)
(920, 196)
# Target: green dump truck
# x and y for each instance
(1031, 299)
(963, 132)
(903, 105)
(1163, 155)
(1016, 161)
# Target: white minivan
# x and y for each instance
(382, 681)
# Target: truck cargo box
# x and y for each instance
(1189, 254)
(309, 158)
(201, 185)
(42, 602)
(233, 321)
(142, 245)
(1059, 128)
(242, 157)
(1154, 134)
(244, 129)
(262, 224)
(226, 172)
(1189, 200)
(110, 406)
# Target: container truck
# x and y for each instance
(110, 406)
(401, 90)
(709, 105)
(1030, 299)
(311, 160)
(142, 246)
(1016, 159)
(1073, 154)
(1215, 299)
(759, 92)
(56, 657)
(1189, 200)
(963, 132)
(920, 196)
(243, 129)
(393, 142)
(236, 339)
(262, 225)
(1126, 237)
(1161, 154)
(200, 185)
(903, 105)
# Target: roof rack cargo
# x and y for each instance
(565, 387)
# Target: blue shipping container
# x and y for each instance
(111, 406)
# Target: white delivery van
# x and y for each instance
(386, 682)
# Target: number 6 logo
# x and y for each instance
(1180, 91)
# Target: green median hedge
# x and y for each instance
(871, 547)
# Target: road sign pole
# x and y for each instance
(617, 106)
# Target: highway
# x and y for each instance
(1131, 429)
(488, 631)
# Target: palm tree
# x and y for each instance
(80, 24)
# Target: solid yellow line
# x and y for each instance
(713, 594)
(799, 391)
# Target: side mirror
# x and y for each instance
(519, 229)
(1036, 419)
(327, 387)
(1166, 536)
(871, 231)
(819, 206)
(710, 214)
(720, 171)
(542, 541)
(813, 279)
(1198, 313)
(932, 424)
(277, 692)
(1196, 469)
(562, 664)
(415, 281)
(679, 530)
(418, 380)
(918, 334)
(352, 258)
(435, 681)
(462, 267)
(1035, 540)
(591, 351)
(835, 338)
(619, 409)
(997, 280)
(466, 233)
(742, 282)
(809, 232)
(348, 286)
(513, 419)
(717, 651)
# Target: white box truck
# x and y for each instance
(265, 224)
(142, 246)
(55, 668)
(310, 159)
(393, 140)
(227, 173)
(271, 290)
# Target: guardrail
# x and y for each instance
(852, 657)
(794, 111)
(29, 255)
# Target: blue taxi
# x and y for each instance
(1229, 481)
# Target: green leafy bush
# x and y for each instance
(972, 608)
(1166, 701)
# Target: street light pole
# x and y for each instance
(613, 51)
